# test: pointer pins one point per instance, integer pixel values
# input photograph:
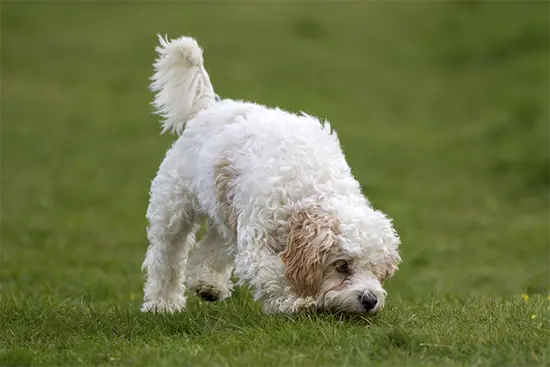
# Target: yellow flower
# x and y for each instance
(525, 297)
(548, 297)
(533, 316)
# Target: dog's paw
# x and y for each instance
(305, 305)
(210, 293)
(163, 306)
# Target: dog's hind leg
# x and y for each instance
(210, 266)
(173, 224)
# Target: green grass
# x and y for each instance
(441, 107)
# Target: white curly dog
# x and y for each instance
(282, 208)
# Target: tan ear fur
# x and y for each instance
(310, 237)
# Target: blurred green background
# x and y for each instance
(442, 109)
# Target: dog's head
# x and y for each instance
(341, 265)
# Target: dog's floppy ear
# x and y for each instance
(311, 235)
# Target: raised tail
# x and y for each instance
(181, 83)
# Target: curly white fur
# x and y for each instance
(282, 208)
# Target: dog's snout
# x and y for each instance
(368, 300)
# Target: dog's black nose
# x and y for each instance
(368, 300)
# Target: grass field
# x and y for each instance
(442, 109)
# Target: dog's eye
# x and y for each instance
(342, 266)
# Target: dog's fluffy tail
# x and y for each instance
(181, 83)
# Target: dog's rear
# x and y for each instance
(181, 84)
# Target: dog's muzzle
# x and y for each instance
(368, 300)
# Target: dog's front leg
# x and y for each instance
(258, 266)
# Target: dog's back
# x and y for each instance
(244, 153)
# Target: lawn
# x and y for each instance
(442, 109)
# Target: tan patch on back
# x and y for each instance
(225, 175)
